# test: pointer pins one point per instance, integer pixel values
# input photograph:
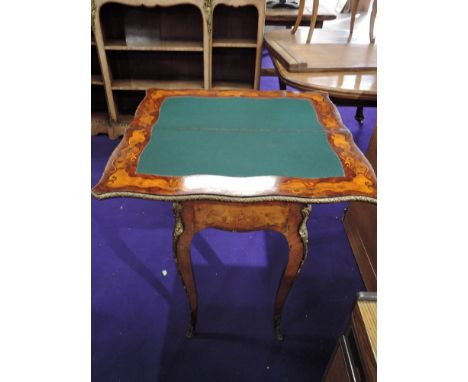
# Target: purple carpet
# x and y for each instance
(139, 308)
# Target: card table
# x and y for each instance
(238, 160)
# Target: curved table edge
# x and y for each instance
(236, 199)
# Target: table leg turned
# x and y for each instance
(183, 233)
(359, 116)
(297, 236)
(282, 84)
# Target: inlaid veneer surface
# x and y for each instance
(238, 146)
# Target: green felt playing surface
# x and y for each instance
(239, 137)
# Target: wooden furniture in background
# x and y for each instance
(360, 222)
(287, 17)
(363, 6)
(267, 201)
(99, 111)
(323, 57)
(347, 82)
(170, 44)
(355, 356)
(344, 88)
(354, 8)
(236, 46)
(335, 47)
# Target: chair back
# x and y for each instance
(313, 19)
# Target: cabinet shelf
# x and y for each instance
(234, 67)
(147, 24)
(132, 84)
(234, 43)
(170, 44)
(155, 45)
(140, 70)
(96, 79)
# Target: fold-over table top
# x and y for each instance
(243, 146)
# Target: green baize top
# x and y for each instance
(239, 137)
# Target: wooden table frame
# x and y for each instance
(288, 219)
(294, 70)
(281, 204)
(339, 97)
(287, 17)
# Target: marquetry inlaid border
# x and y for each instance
(120, 178)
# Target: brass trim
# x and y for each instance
(237, 199)
(93, 15)
(277, 327)
(304, 233)
(178, 226)
(208, 10)
(177, 233)
(359, 184)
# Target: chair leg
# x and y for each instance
(282, 84)
(359, 116)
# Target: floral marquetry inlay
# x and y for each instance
(120, 178)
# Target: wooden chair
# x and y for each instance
(334, 59)
(313, 20)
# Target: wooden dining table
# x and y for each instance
(287, 16)
(347, 85)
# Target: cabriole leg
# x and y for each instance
(297, 237)
(183, 234)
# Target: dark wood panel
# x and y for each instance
(361, 227)
(236, 65)
(360, 223)
(128, 101)
(143, 25)
(235, 23)
(336, 370)
(355, 358)
(156, 65)
(95, 67)
(98, 99)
